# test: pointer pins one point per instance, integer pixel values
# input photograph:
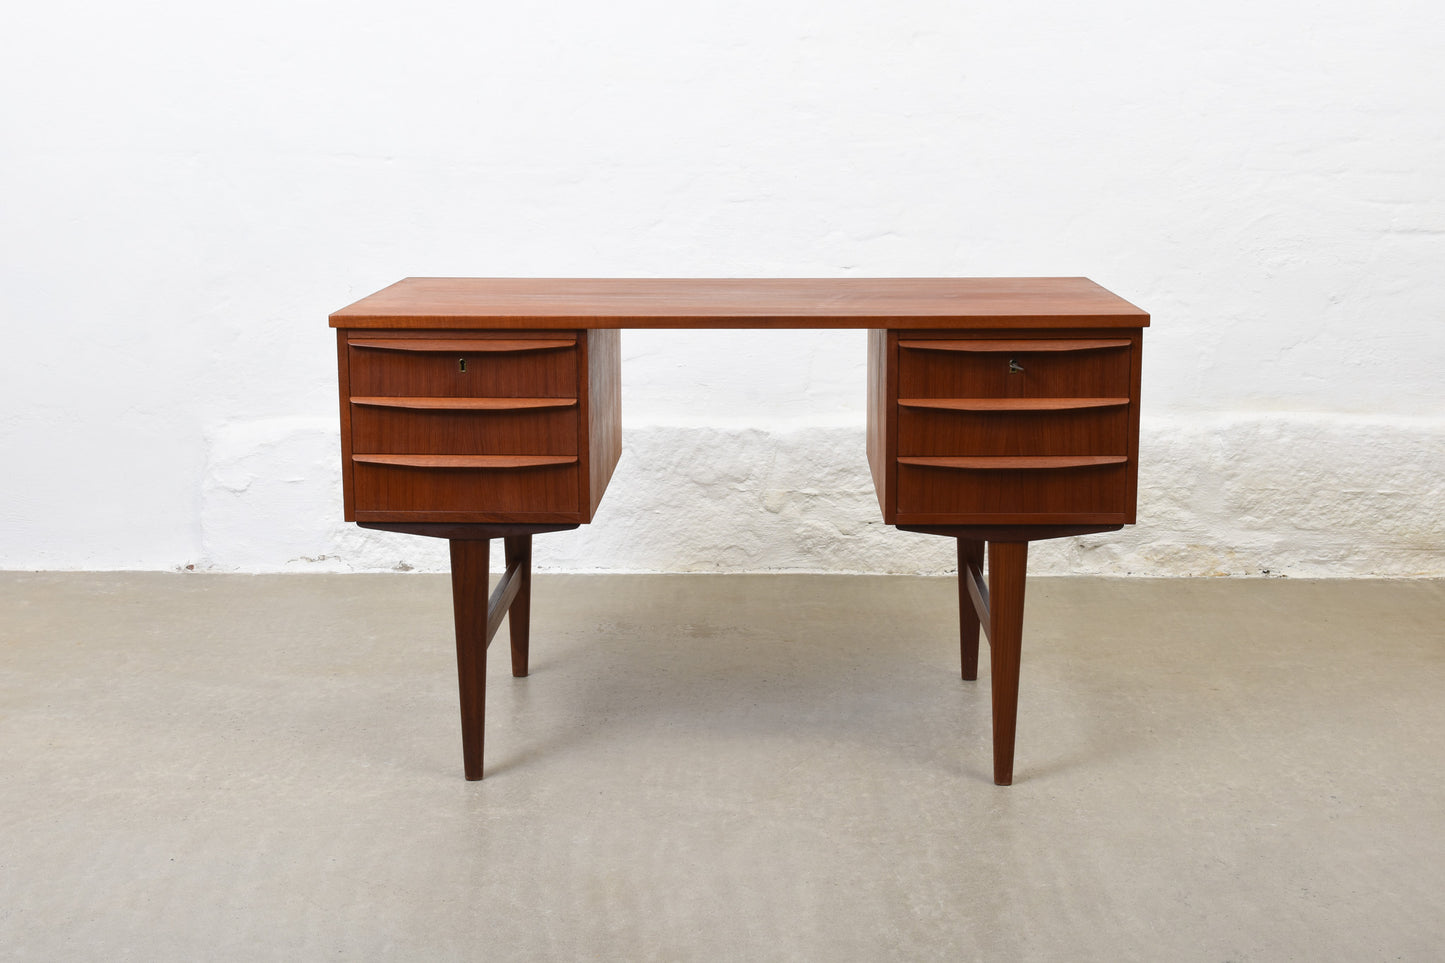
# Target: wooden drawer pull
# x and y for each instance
(1012, 404)
(1011, 463)
(473, 462)
(466, 404)
(462, 346)
(1009, 347)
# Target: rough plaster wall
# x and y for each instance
(190, 190)
(1304, 496)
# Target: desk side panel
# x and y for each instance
(343, 378)
(881, 405)
(604, 412)
(1136, 354)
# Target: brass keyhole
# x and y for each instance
(461, 364)
(1014, 367)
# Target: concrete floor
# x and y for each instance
(719, 768)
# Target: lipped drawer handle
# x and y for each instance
(462, 347)
(467, 462)
(1016, 347)
(1007, 405)
(464, 404)
(1012, 462)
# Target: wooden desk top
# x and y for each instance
(913, 303)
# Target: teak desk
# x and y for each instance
(1000, 411)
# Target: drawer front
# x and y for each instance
(377, 428)
(542, 368)
(1073, 431)
(1081, 368)
(1092, 490)
(524, 491)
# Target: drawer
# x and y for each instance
(462, 367)
(1042, 368)
(948, 427)
(477, 484)
(956, 487)
(462, 426)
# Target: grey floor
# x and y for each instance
(719, 768)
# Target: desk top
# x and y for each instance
(913, 303)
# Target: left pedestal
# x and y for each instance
(477, 426)
(471, 434)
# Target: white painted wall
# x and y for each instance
(188, 190)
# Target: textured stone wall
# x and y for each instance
(188, 193)
(1303, 497)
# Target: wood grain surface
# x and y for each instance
(526, 303)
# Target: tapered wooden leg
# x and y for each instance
(969, 550)
(519, 616)
(1007, 568)
(470, 559)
